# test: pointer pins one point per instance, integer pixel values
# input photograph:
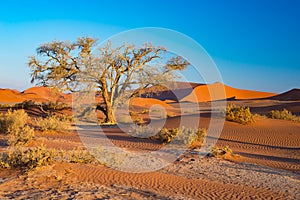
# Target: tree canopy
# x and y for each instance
(113, 70)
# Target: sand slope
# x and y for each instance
(219, 91)
(291, 95)
(36, 94)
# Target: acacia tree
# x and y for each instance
(113, 70)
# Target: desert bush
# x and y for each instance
(239, 114)
(13, 121)
(57, 105)
(5, 105)
(66, 118)
(28, 158)
(52, 123)
(25, 104)
(220, 152)
(166, 135)
(110, 157)
(142, 131)
(145, 111)
(284, 114)
(126, 119)
(80, 155)
(182, 135)
(20, 136)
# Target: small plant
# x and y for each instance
(20, 136)
(142, 131)
(80, 155)
(25, 104)
(183, 135)
(144, 111)
(138, 120)
(66, 118)
(220, 152)
(5, 106)
(20, 157)
(284, 115)
(126, 119)
(166, 135)
(12, 121)
(239, 114)
(52, 123)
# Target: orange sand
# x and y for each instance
(219, 91)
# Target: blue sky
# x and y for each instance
(255, 44)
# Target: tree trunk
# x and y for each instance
(110, 118)
(109, 111)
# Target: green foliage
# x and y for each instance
(284, 114)
(28, 158)
(20, 136)
(52, 123)
(12, 121)
(239, 114)
(220, 152)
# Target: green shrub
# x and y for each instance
(239, 114)
(28, 158)
(220, 152)
(12, 121)
(20, 136)
(52, 123)
(284, 114)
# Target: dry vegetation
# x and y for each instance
(239, 114)
(13, 123)
(220, 152)
(284, 115)
(53, 123)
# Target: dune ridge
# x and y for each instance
(219, 91)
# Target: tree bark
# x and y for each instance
(109, 111)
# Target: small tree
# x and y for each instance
(112, 70)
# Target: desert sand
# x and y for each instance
(267, 164)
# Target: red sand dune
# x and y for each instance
(10, 96)
(219, 91)
(172, 91)
(37, 94)
(291, 95)
(148, 102)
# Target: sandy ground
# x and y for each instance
(268, 165)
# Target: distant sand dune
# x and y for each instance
(219, 91)
(291, 95)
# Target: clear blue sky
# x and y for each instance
(255, 43)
